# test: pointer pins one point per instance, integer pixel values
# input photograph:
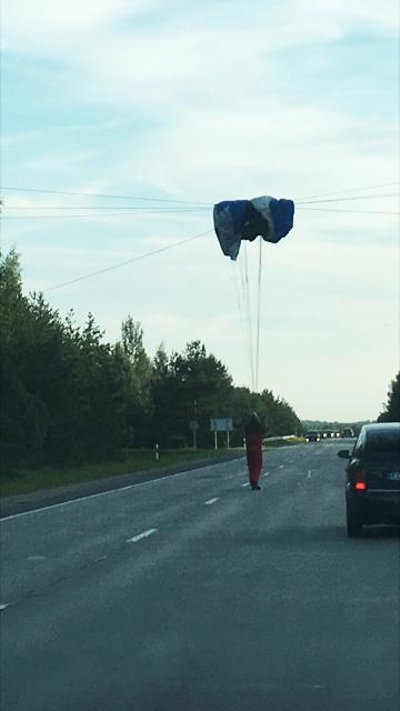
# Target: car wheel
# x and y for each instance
(354, 523)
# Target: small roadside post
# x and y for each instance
(194, 426)
(157, 452)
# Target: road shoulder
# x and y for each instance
(20, 503)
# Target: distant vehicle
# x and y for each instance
(347, 432)
(312, 436)
(373, 477)
(327, 434)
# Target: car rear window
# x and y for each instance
(383, 445)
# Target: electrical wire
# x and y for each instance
(348, 190)
(96, 215)
(127, 261)
(343, 199)
(102, 207)
(359, 212)
(160, 206)
(142, 210)
(180, 211)
(191, 202)
(99, 195)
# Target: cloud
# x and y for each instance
(383, 15)
(137, 52)
(222, 100)
(272, 144)
(218, 112)
(54, 24)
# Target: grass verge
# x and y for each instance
(25, 481)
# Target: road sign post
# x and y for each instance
(221, 424)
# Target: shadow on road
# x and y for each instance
(295, 536)
(381, 532)
(318, 537)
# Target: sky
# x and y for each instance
(124, 121)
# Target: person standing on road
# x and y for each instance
(254, 431)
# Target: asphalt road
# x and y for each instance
(193, 592)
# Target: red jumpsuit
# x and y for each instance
(254, 456)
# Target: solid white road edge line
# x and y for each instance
(211, 501)
(103, 493)
(139, 537)
(67, 503)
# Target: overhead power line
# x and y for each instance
(127, 261)
(343, 209)
(142, 208)
(348, 190)
(195, 206)
(139, 211)
(346, 199)
(146, 198)
(83, 193)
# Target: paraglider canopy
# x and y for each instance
(266, 216)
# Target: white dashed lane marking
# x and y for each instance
(139, 537)
(3, 607)
(211, 501)
(245, 484)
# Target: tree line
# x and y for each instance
(68, 397)
(391, 409)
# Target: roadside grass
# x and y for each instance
(129, 461)
(24, 481)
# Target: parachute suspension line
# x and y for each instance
(234, 267)
(258, 313)
(237, 222)
(247, 311)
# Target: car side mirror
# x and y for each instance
(344, 454)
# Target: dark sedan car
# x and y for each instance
(312, 436)
(347, 432)
(373, 477)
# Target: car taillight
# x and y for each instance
(360, 482)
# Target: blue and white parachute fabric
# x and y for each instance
(266, 216)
